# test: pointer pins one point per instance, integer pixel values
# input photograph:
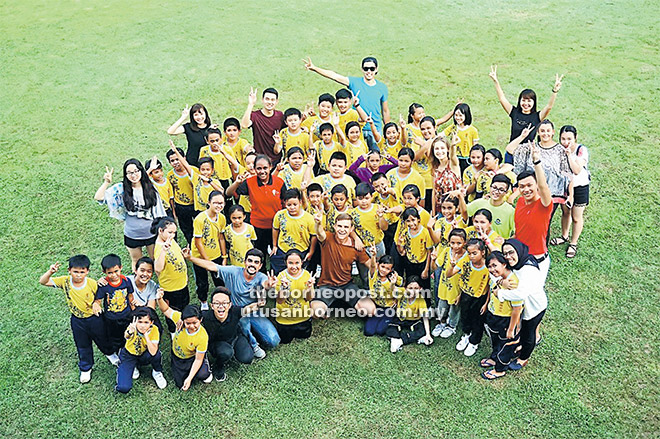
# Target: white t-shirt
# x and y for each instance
(143, 297)
(530, 290)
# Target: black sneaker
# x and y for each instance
(220, 377)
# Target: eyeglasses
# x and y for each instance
(509, 253)
(369, 69)
(132, 172)
(220, 304)
(497, 189)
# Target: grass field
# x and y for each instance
(89, 84)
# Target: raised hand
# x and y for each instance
(53, 268)
(107, 177)
(318, 217)
(493, 73)
(335, 119)
(525, 132)
(356, 100)
(186, 253)
(132, 327)
(393, 277)
(402, 121)
(557, 85)
(172, 145)
(536, 153)
(185, 112)
(252, 97)
(308, 64)
(277, 138)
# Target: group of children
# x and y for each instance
(419, 238)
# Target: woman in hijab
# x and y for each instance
(530, 290)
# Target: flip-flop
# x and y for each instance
(514, 365)
(487, 362)
(488, 375)
(559, 240)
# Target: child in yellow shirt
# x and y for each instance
(295, 288)
(446, 288)
(411, 323)
(293, 228)
(239, 237)
(293, 135)
(414, 244)
(383, 285)
(463, 128)
(155, 171)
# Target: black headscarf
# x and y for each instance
(524, 258)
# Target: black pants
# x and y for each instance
(315, 260)
(229, 201)
(407, 330)
(299, 330)
(185, 214)
(114, 330)
(415, 269)
(177, 300)
(202, 280)
(463, 163)
(388, 239)
(181, 369)
(472, 320)
(224, 351)
(547, 235)
(503, 347)
(528, 335)
(264, 239)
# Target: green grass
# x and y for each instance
(89, 84)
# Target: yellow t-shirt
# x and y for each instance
(301, 140)
(469, 177)
(221, 166)
(182, 188)
(165, 192)
(292, 179)
(79, 300)
(383, 292)
(331, 217)
(503, 308)
(239, 150)
(417, 246)
(393, 150)
(327, 183)
(406, 310)
(366, 225)
(353, 152)
(313, 123)
(469, 137)
(399, 183)
(208, 230)
(493, 236)
(484, 180)
(387, 202)
(423, 167)
(350, 116)
(413, 132)
(323, 152)
(448, 288)
(295, 232)
(295, 308)
(239, 243)
(425, 217)
(137, 344)
(186, 345)
(201, 191)
(175, 273)
(445, 228)
(472, 281)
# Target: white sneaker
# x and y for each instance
(259, 353)
(447, 332)
(85, 376)
(204, 306)
(470, 349)
(161, 382)
(136, 373)
(113, 359)
(172, 334)
(438, 329)
(354, 270)
(209, 379)
(396, 344)
(465, 340)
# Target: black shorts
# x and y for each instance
(348, 294)
(581, 196)
(138, 243)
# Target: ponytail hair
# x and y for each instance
(161, 223)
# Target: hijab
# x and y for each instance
(524, 258)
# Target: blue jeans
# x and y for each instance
(369, 138)
(444, 308)
(130, 362)
(262, 328)
(363, 270)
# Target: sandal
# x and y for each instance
(490, 375)
(558, 240)
(571, 250)
(487, 362)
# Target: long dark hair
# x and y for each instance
(194, 109)
(148, 190)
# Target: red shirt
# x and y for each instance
(337, 260)
(263, 128)
(532, 222)
(265, 200)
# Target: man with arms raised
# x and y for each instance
(264, 122)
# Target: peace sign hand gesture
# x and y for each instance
(252, 97)
(557, 85)
(308, 64)
(277, 138)
(53, 268)
(185, 112)
(525, 132)
(107, 177)
(132, 327)
(402, 121)
(493, 73)
(536, 153)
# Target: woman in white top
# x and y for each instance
(530, 290)
(578, 192)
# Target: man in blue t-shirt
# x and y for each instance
(372, 93)
(247, 285)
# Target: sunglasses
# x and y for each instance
(369, 69)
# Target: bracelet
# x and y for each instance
(555, 91)
(538, 162)
(356, 105)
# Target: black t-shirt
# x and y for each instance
(519, 121)
(222, 331)
(196, 140)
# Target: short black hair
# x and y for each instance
(144, 260)
(212, 130)
(231, 122)
(411, 189)
(524, 174)
(147, 164)
(386, 259)
(109, 261)
(79, 261)
(234, 208)
(458, 232)
(410, 211)
(343, 93)
(369, 59)
(292, 112)
(501, 178)
(377, 176)
(484, 212)
(314, 187)
(144, 311)
(350, 125)
(406, 151)
(204, 160)
(327, 97)
(363, 189)
(568, 129)
(257, 253)
(326, 127)
(293, 252)
(292, 193)
(337, 155)
(270, 90)
(214, 194)
(339, 189)
(293, 150)
(191, 311)
(170, 153)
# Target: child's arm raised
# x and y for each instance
(181, 158)
(343, 80)
(500, 94)
(107, 181)
(403, 129)
(45, 278)
(320, 231)
(340, 133)
(278, 142)
(362, 115)
(162, 305)
(551, 102)
(177, 127)
(448, 116)
(231, 190)
(453, 159)
(374, 131)
(515, 143)
(246, 121)
(208, 265)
